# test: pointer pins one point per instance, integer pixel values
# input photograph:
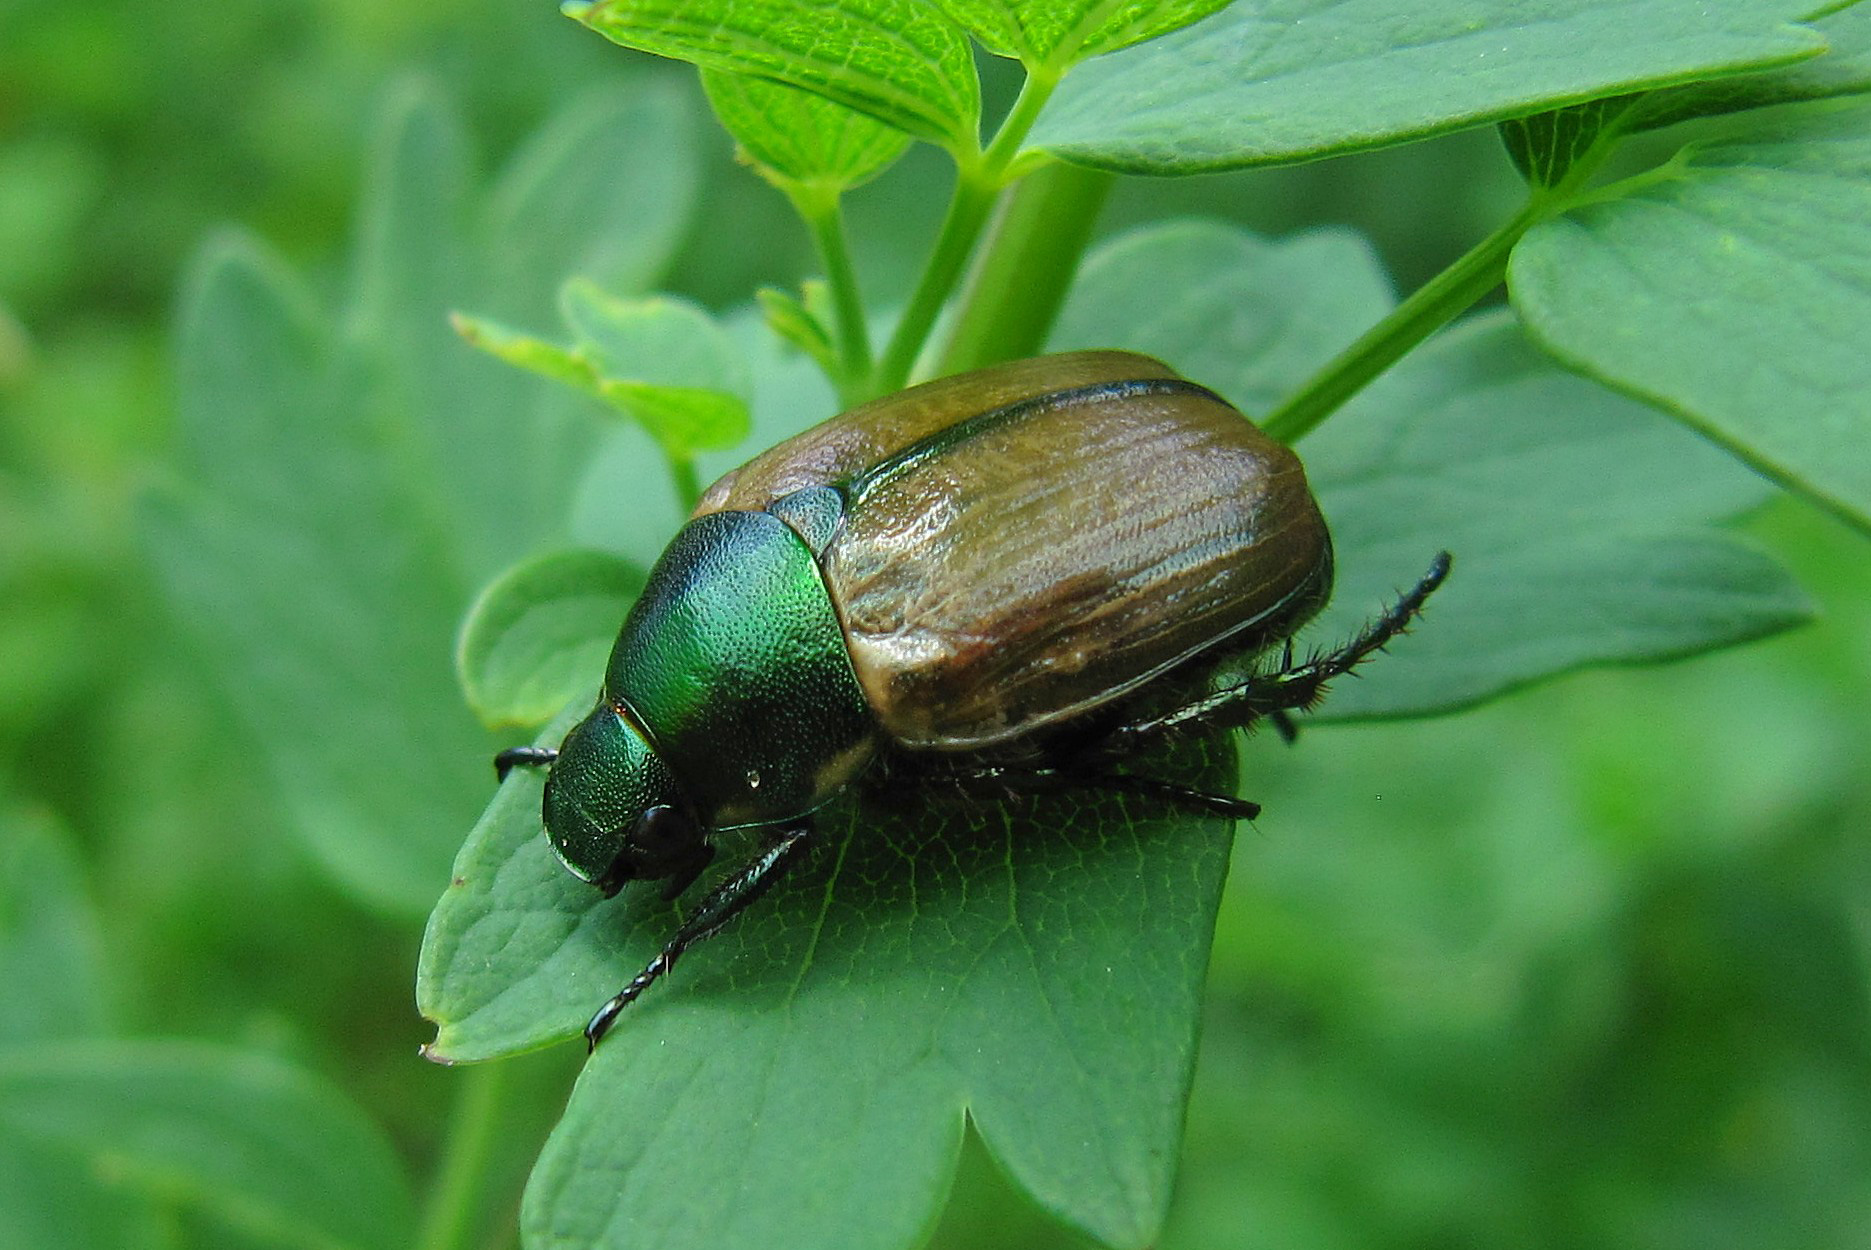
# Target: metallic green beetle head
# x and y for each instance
(612, 811)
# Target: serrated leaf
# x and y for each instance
(51, 953)
(1058, 35)
(1578, 519)
(898, 61)
(1845, 69)
(1255, 85)
(1734, 289)
(255, 1145)
(537, 636)
(1038, 966)
(797, 137)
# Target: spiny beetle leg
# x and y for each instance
(1013, 779)
(1294, 687)
(522, 757)
(719, 906)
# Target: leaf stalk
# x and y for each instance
(448, 1221)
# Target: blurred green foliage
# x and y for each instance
(1588, 967)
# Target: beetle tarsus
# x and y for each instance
(1284, 725)
(1178, 795)
(718, 907)
(522, 757)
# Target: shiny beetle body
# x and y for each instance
(986, 578)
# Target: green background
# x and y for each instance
(1586, 966)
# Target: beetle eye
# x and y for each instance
(661, 829)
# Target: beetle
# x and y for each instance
(1011, 580)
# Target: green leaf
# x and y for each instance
(321, 599)
(625, 502)
(662, 361)
(348, 477)
(256, 1145)
(15, 348)
(683, 419)
(793, 321)
(1581, 524)
(1058, 35)
(1579, 520)
(537, 636)
(796, 137)
(1251, 317)
(1546, 146)
(1037, 967)
(1257, 86)
(523, 351)
(606, 190)
(51, 954)
(1845, 69)
(49, 1202)
(660, 341)
(898, 61)
(665, 362)
(1732, 288)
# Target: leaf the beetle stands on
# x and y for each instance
(925, 963)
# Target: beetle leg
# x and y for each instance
(1013, 779)
(522, 757)
(1169, 792)
(690, 868)
(1293, 687)
(719, 906)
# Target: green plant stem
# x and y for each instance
(825, 217)
(461, 1177)
(978, 181)
(1435, 304)
(1026, 267)
(688, 485)
(967, 212)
